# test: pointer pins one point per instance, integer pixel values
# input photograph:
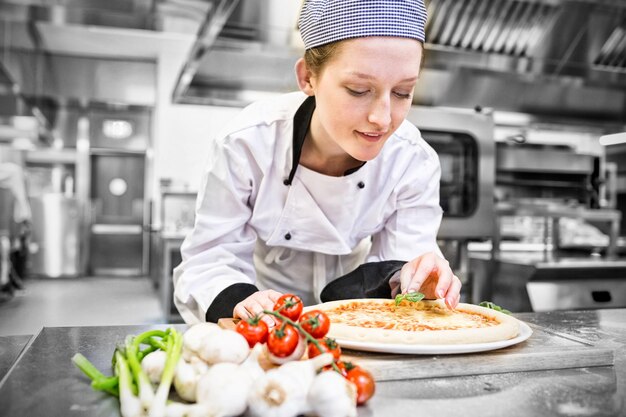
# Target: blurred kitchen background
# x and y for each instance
(107, 108)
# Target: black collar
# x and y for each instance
(301, 124)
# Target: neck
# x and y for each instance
(323, 155)
(318, 159)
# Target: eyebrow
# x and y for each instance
(369, 77)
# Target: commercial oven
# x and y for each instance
(463, 139)
(554, 248)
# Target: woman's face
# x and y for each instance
(363, 94)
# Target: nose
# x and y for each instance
(380, 113)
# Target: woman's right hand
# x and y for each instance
(255, 304)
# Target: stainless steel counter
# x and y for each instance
(45, 383)
(10, 349)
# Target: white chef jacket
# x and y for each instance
(251, 227)
(12, 178)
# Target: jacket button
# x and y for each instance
(287, 182)
(361, 184)
(288, 236)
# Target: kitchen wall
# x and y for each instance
(182, 133)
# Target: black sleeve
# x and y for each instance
(370, 280)
(223, 305)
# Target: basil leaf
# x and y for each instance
(489, 304)
(413, 297)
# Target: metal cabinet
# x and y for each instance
(168, 255)
(177, 218)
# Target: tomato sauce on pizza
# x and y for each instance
(422, 322)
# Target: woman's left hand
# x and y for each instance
(431, 275)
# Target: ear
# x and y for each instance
(303, 75)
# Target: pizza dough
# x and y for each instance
(425, 322)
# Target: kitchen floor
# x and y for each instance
(89, 301)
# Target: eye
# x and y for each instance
(402, 95)
(355, 92)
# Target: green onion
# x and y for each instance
(100, 382)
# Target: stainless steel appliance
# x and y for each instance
(616, 154)
(579, 285)
(464, 142)
(56, 227)
(546, 172)
(562, 254)
(177, 219)
(54, 183)
(528, 281)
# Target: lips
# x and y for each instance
(371, 136)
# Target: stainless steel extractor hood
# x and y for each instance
(57, 52)
(549, 57)
(556, 57)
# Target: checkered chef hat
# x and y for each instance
(325, 21)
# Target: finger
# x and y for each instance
(425, 268)
(453, 294)
(261, 303)
(240, 312)
(274, 296)
(457, 300)
(269, 320)
(255, 307)
(444, 282)
(268, 303)
(269, 299)
(406, 273)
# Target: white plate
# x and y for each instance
(525, 333)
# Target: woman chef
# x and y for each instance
(306, 187)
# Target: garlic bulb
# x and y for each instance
(224, 389)
(185, 380)
(282, 391)
(153, 364)
(304, 371)
(332, 395)
(252, 365)
(277, 394)
(225, 346)
(187, 376)
(199, 366)
(175, 409)
(195, 336)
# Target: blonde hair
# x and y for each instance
(316, 58)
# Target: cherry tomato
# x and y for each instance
(254, 330)
(315, 323)
(364, 382)
(283, 340)
(327, 345)
(289, 305)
